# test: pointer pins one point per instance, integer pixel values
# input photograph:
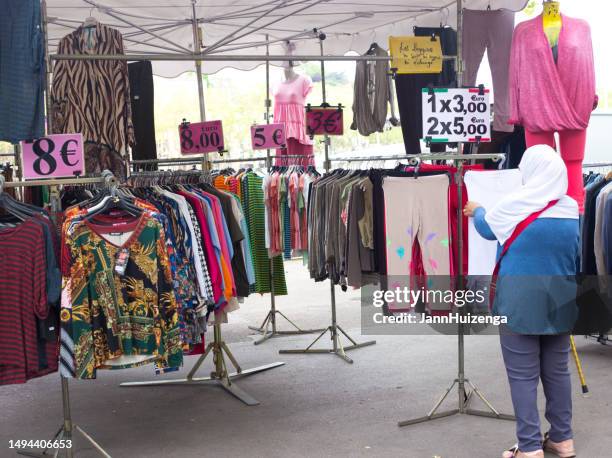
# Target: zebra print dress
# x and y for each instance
(92, 97)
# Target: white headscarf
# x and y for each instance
(544, 180)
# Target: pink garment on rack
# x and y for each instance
(274, 222)
(225, 243)
(289, 107)
(294, 214)
(545, 96)
(295, 148)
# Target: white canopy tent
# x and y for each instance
(234, 28)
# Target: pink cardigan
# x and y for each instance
(546, 97)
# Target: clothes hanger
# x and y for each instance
(15, 208)
(90, 21)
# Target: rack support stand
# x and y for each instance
(268, 327)
(220, 375)
(334, 330)
(65, 432)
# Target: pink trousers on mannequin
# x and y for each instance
(571, 148)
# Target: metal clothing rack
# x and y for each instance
(219, 349)
(464, 397)
(334, 328)
(68, 427)
(461, 381)
(268, 328)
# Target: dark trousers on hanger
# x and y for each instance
(408, 88)
(143, 118)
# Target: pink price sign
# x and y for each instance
(53, 156)
(201, 137)
(268, 136)
(324, 121)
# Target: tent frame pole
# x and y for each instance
(334, 329)
(464, 396)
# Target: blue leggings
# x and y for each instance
(529, 359)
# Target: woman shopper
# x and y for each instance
(538, 233)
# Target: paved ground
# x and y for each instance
(315, 405)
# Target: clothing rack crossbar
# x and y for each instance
(422, 157)
(55, 182)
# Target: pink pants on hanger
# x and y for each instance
(571, 148)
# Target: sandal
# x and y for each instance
(514, 452)
(563, 449)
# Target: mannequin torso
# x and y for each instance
(552, 22)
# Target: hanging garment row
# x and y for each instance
(250, 186)
(596, 237)
(595, 281)
(286, 195)
(147, 269)
(329, 203)
(400, 223)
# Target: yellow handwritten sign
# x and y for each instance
(415, 54)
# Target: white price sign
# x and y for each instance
(456, 115)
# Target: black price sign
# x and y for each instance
(268, 136)
(456, 115)
(53, 156)
(324, 120)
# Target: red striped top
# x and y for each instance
(23, 298)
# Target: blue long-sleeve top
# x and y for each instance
(536, 286)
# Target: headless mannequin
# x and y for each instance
(289, 102)
(571, 142)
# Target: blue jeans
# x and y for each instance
(528, 360)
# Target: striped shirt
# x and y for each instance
(23, 299)
(92, 97)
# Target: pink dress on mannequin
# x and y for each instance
(289, 102)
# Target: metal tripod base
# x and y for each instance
(220, 375)
(463, 409)
(64, 434)
(270, 322)
(338, 349)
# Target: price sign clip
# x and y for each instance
(428, 141)
(481, 89)
(430, 89)
(478, 138)
(185, 123)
